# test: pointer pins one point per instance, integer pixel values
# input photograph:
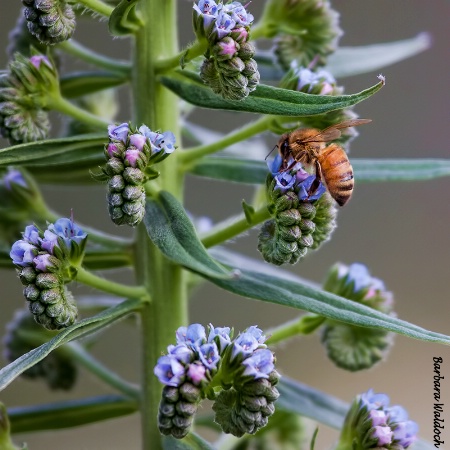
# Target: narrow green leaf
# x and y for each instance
(284, 291)
(264, 100)
(73, 150)
(191, 442)
(69, 414)
(348, 61)
(170, 229)
(81, 328)
(124, 19)
(82, 83)
(306, 401)
(400, 169)
(251, 171)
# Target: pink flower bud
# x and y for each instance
(138, 141)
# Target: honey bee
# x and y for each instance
(309, 147)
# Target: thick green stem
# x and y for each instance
(84, 358)
(258, 126)
(65, 107)
(233, 227)
(97, 6)
(74, 48)
(102, 284)
(158, 108)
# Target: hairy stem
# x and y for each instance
(84, 358)
(97, 6)
(102, 284)
(233, 227)
(155, 106)
(305, 324)
(74, 48)
(178, 60)
(258, 126)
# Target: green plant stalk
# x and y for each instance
(258, 126)
(102, 284)
(305, 324)
(78, 50)
(84, 358)
(196, 49)
(65, 107)
(157, 108)
(233, 227)
(97, 6)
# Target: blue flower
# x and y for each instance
(308, 79)
(257, 333)
(159, 141)
(68, 231)
(181, 352)
(221, 336)
(207, 7)
(193, 335)
(304, 187)
(22, 253)
(169, 371)
(244, 345)
(14, 176)
(374, 401)
(238, 13)
(259, 364)
(119, 132)
(31, 234)
(209, 355)
(223, 26)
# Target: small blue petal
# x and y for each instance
(259, 365)
(169, 371)
(14, 176)
(22, 253)
(119, 132)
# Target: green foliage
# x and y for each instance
(171, 252)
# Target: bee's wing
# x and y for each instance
(331, 133)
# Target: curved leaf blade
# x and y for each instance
(249, 171)
(124, 19)
(69, 414)
(171, 230)
(295, 293)
(82, 83)
(348, 61)
(73, 150)
(191, 442)
(81, 328)
(264, 100)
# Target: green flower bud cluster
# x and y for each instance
(231, 71)
(24, 93)
(20, 40)
(129, 157)
(305, 30)
(44, 262)
(51, 21)
(238, 374)
(300, 221)
(246, 408)
(229, 68)
(177, 409)
(23, 335)
(350, 347)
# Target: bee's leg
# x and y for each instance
(316, 183)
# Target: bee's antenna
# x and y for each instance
(268, 154)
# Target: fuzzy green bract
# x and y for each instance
(151, 150)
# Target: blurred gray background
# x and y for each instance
(400, 230)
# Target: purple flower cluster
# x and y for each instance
(212, 355)
(42, 250)
(219, 20)
(229, 68)
(389, 425)
(198, 355)
(296, 179)
(43, 262)
(129, 155)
